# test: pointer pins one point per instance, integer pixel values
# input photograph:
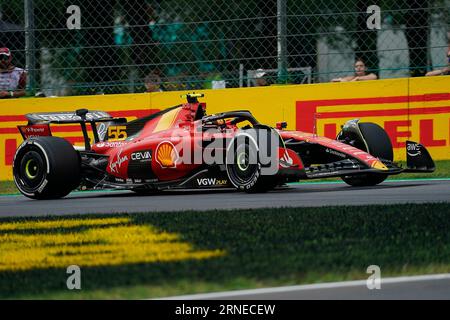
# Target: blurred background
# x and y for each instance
(123, 45)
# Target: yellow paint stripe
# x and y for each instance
(379, 165)
(27, 245)
(66, 223)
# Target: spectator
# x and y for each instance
(260, 78)
(153, 83)
(360, 73)
(13, 80)
(214, 80)
(441, 72)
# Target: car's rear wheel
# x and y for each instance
(46, 168)
(378, 144)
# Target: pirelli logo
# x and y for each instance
(424, 118)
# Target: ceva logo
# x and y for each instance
(142, 156)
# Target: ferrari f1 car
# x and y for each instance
(166, 150)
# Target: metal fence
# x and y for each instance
(118, 46)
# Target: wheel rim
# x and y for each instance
(242, 161)
(31, 169)
(242, 171)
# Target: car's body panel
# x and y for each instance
(339, 149)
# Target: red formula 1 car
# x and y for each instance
(182, 147)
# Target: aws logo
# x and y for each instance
(208, 182)
(413, 149)
(167, 155)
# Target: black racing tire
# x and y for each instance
(46, 168)
(246, 176)
(378, 145)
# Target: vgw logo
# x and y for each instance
(211, 182)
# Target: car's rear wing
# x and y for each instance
(82, 115)
(39, 123)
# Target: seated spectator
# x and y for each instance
(214, 80)
(13, 80)
(153, 83)
(360, 73)
(260, 78)
(441, 72)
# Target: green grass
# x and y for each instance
(264, 247)
(8, 187)
(442, 171)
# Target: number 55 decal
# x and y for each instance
(117, 133)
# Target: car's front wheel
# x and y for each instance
(378, 144)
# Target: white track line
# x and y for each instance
(328, 285)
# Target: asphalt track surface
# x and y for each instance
(427, 287)
(296, 195)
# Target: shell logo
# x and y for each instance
(166, 155)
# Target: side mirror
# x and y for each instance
(281, 125)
